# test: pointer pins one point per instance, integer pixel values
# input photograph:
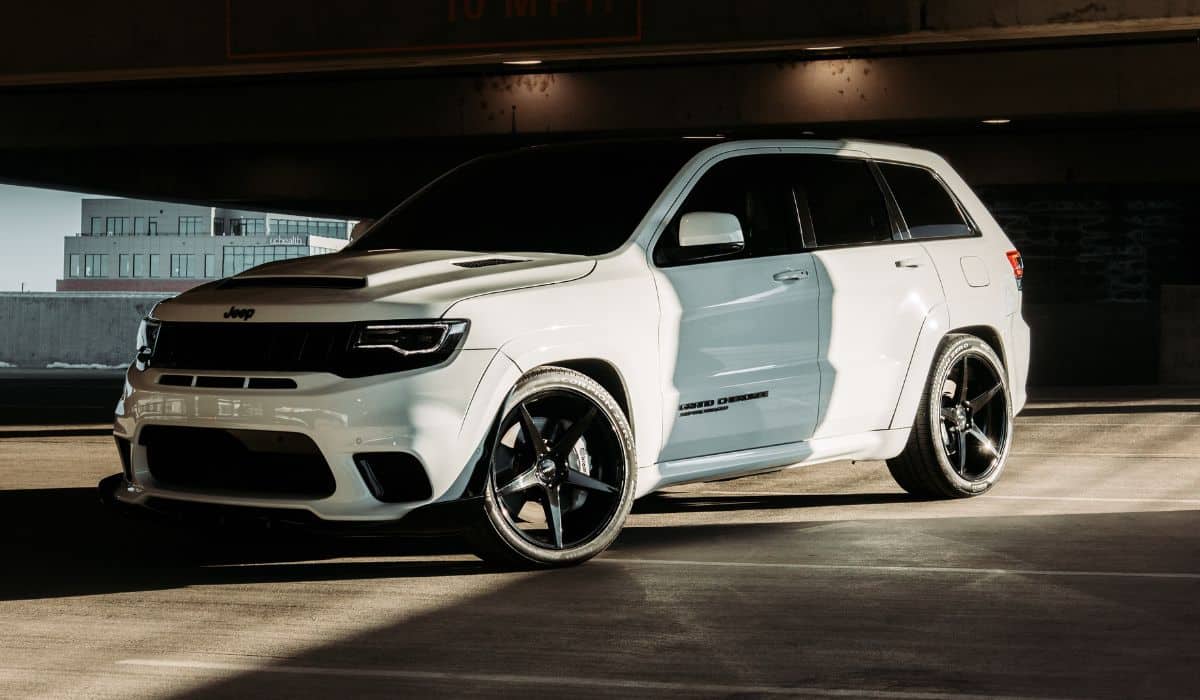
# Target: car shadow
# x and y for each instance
(1124, 409)
(64, 542)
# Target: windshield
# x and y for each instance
(581, 200)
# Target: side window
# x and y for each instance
(842, 199)
(752, 189)
(927, 207)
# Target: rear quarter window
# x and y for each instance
(924, 202)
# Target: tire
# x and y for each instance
(585, 469)
(961, 436)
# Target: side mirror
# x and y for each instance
(710, 228)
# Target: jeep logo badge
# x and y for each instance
(235, 312)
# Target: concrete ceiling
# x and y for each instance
(66, 41)
(193, 101)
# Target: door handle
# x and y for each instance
(908, 262)
(790, 276)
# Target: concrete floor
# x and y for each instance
(1078, 576)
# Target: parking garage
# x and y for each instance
(1076, 123)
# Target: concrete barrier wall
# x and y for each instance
(1180, 357)
(39, 330)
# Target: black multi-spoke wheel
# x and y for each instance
(961, 435)
(561, 472)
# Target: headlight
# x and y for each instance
(403, 338)
(147, 336)
(393, 346)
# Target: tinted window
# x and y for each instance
(753, 189)
(584, 200)
(842, 199)
(927, 207)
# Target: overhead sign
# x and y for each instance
(259, 29)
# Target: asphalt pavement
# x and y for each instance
(1077, 576)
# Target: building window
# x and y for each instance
(155, 265)
(190, 225)
(237, 259)
(182, 265)
(218, 226)
(97, 226)
(76, 267)
(125, 265)
(139, 264)
(139, 225)
(210, 265)
(247, 227)
(152, 226)
(95, 265)
(328, 229)
(118, 226)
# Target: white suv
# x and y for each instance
(535, 339)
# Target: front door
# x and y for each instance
(739, 333)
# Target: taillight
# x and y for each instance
(1018, 266)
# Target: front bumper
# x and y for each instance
(434, 519)
(441, 415)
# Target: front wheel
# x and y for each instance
(561, 473)
(960, 439)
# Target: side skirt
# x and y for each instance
(876, 444)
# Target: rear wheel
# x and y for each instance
(561, 473)
(960, 438)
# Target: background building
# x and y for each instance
(134, 245)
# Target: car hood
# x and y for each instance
(369, 285)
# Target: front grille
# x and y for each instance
(258, 347)
(250, 462)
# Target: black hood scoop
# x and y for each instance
(487, 262)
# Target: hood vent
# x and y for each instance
(488, 262)
(306, 281)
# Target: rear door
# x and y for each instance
(970, 266)
(739, 332)
(876, 290)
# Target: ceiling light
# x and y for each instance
(824, 48)
(996, 121)
(526, 62)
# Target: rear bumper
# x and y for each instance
(1018, 357)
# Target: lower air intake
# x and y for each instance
(248, 462)
(394, 477)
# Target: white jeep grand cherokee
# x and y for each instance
(534, 340)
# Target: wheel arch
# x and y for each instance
(624, 363)
(926, 353)
(603, 373)
(989, 335)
